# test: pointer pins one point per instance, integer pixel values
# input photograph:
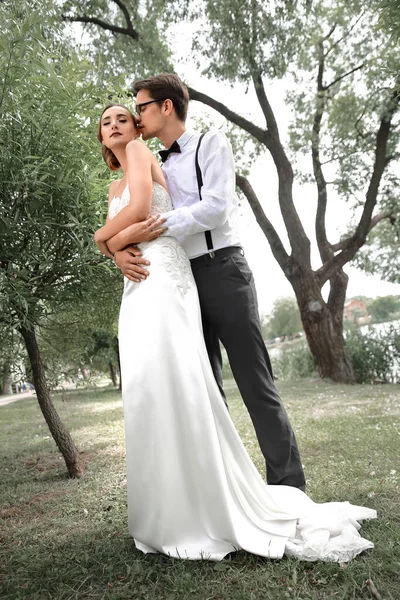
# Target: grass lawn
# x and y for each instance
(67, 539)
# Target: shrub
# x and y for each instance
(294, 362)
(375, 354)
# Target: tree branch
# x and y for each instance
(358, 239)
(107, 26)
(374, 221)
(268, 229)
(320, 228)
(337, 296)
(342, 244)
(339, 157)
(261, 135)
(299, 241)
(127, 18)
(344, 75)
(344, 36)
(330, 32)
(264, 103)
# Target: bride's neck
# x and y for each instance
(120, 154)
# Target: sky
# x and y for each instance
(271, 283)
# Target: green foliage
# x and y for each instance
(255, 40)
(50, 198)
(375, 355)
(12, 356)
(103, 350)
(380, 256)
(236, 35)
(82, 335)
(361, 65)
(238, 40)
(294, 362)
(234, 41)
(284, 320)
(385, 308)
(118, 54)
(389, 16)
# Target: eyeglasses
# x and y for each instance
(139, 107)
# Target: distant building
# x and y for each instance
(356, 312)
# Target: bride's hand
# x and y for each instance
(145, 231)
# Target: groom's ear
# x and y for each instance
(168, 107)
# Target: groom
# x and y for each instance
(205, 228)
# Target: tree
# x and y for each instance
(284, 319)
(347, 72)
(380, 256)
(390, 16)
(103, 352)
(83, 336)
(49, 207)
(11, 358)
(385, 308)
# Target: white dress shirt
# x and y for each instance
(217, 210)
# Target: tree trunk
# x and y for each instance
(322, 324)
(58, 431)
(6, 388)
(119, 364)
(113, 374)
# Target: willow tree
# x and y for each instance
(48, 209)
(345, 116)
(390, 16)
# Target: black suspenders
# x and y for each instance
(200, 185)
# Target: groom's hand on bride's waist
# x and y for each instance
(132, 264)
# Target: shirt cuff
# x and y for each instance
(180, 222)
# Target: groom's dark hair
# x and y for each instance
(166, 86)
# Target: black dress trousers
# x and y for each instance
(229, 308)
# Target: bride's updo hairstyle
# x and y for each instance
(108, 155)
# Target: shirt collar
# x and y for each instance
(185, 137)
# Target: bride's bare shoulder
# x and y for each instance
(138, 148)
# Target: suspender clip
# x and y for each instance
(211, 253)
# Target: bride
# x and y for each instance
(193, 491)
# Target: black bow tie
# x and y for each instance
(165, 153)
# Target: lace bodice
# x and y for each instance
(160, 201)
(171, 255)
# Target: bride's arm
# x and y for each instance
(103, 247)
(140, 188)
(145, 231)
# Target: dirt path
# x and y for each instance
(4, 400)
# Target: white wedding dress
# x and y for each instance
(193, 491)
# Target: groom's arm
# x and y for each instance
(218, 172)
